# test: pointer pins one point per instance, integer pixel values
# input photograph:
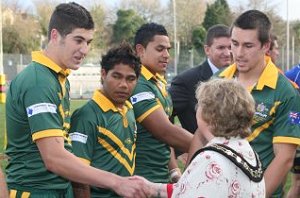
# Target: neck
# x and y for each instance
(251, 77)
(50, 53)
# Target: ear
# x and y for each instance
(139, 50)
(206, 50)
(266, 47)
(103, 75)
(54, 35)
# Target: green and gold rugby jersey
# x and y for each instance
(152, 155)
(277, 115)
(104, 136)
(37, 107)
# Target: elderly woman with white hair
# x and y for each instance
(226, 166)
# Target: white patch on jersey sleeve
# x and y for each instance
(41, 108)
(141, 96)
(78, 137)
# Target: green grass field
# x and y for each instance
(74, 105)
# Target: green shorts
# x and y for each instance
(32, 193)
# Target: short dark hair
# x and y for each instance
(122, 54)
(68, 16)
(216, 31)
(255, 19)
(146, 33)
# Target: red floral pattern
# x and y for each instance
(211, 175)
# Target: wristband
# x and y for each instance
(175, 173)
(169, 190)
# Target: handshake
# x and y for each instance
(139, 187)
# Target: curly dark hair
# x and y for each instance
(121, 54)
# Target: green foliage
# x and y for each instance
(98, 15)
(198, 37)
(20, 37)
(217, 13)
(127, 23)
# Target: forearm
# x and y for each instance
(274, 177)
(63, 163)
(74, 168)
(81, 190)
(157, 190)
(3, 187)
(178, 138)
(280, 166)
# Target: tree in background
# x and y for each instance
(20, 32)
(150, 10)
(100, 36)
(44, 10)
(198, 37)
(217, 13)
(128, 21)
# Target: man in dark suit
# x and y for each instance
(182, 90)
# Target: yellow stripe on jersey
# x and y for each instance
(12, 193)
(258, 130)
(291, 140)
(87, 162)
(273, 109)
(25, 195)
(110, 149)
(117, 141)
(47, 133)
(144, 115)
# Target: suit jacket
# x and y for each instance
(182, 92)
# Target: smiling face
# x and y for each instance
(155, 56)
(118, 83)
(248, 52)
(219, 52)
(71, 49)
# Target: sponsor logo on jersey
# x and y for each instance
(41, 108)
(78, 137)
(141, 96)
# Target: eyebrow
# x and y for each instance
(82, 38)
(246, 43)
(163, 46)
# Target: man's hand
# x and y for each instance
(131, 187)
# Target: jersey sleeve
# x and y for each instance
(287, 121)
(83, 135)
(144, 101)
(44, 113)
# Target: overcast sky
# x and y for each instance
(280, 6)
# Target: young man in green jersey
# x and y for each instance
(276, 127)
(103, 131)
(37, 116)
(153, 106)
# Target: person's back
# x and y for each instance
(227, 166)
(211, 174)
